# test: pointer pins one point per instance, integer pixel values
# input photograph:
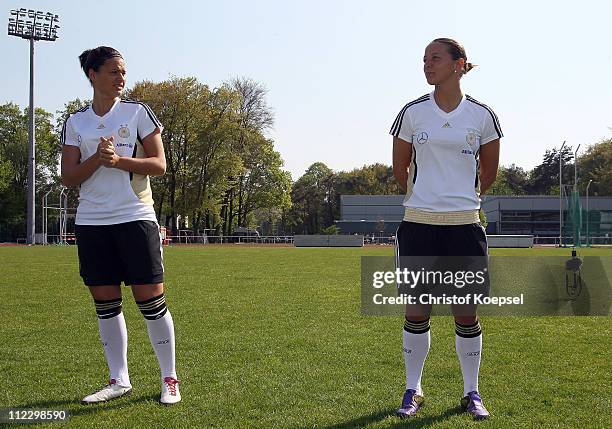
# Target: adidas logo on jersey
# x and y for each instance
(101, 126)
(446, 125)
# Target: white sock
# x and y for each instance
(113, 334)
(469, 350)
(416, 347)
(161, 334)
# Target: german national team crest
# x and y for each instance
(472, 139)
(124, 132)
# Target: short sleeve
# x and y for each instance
(69, 136)
(147, 121)
(491, 130)
(402, 126)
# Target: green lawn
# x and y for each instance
(273, 338)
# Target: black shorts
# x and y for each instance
(443, 249)
(418, 239)
(128, 252)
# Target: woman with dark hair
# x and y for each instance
(109, 149)
(445, 155)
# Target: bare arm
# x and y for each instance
(489, 162)
(402, 155)
(75, 172)
(153, 165)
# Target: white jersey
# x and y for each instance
(443, 174)
(110, 195)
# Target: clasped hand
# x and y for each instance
(106, 152)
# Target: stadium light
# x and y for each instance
(32, 25)
(561, 195)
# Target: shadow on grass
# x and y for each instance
(395, 422)
(75, 408)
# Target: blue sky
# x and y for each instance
(338, 72)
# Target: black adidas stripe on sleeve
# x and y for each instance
(397, 124)
(150, 113)
(491, 112)
(63, 133)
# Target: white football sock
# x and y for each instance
(416, 347)
(113, 334)
(161, 334)
(468, 344)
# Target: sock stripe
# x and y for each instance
(147, 301)
(154, 308)
(161, 300)
(156, 314)
(468, 331)
(105, 309)
(416, 327)
(107, 306)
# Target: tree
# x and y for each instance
(316, 195)
(500, 186)
(544, 177)
(215, 162)
(192, 116)
(313, 199)
(255, 117)
(220, 167)
(596, 165)
(14, 165)
(517, 179)
(254, 112)
(266, 185)
(375, 179)
(511, 180)
(331, 230)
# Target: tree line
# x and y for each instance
(223, 172)
(316, 194)
(221, 168)
(594, 164)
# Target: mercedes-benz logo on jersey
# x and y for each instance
(124, 132)
(422, 137)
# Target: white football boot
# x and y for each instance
(111, 391)
(170, 391)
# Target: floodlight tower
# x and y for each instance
(32, 25)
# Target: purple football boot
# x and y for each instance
(410, 404)
(472, 403)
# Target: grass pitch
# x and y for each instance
(273, 338)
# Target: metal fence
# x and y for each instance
(379, 240)
(69, 238)
(228, 239)
(568, 241)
